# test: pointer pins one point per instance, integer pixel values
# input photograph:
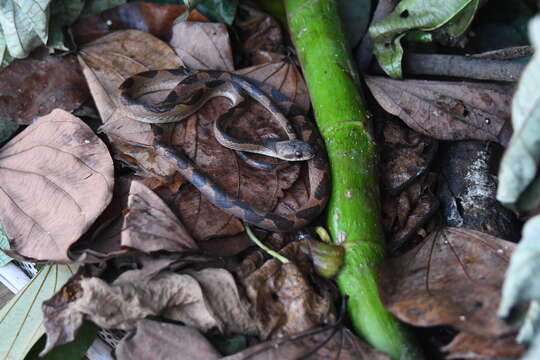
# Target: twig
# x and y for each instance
(259, 243)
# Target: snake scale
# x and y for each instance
(190, 91)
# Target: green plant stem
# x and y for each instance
(353, 211)
(259, 243)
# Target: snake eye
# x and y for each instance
(298, 154)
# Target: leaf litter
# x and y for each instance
(168, 234)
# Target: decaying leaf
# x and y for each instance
(289, 298)
(35, 86)
(203, 46)
(21, 320)
(260, 34)
(453, 278)
(156, 19)
(447, 110)
(161, 340)
(318, 343)
(467, 346)
(57, 177)
(519, 184)
(405, 156)
(406, 213)
(206, 299)
(410, 15)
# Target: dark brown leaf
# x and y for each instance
(468, 346)
(165, 341)
(453, 278)
(260, 34)
(156, 19)
(405, 155)
(328, 343)
(35, 86)
(57, 177)
(406, 213)
(206, 299)
(203, 46)
(447, 110)
(288, 298)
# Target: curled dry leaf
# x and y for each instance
(453, 278)
(35, 86)
(156, 19)
(203, 46)
(288, 298)
(57, 177)
(447, 110)
(206, 299)
(260, 34)
(468, 346)
(405, 155)
(406, 213)
(328, 343)
(165, 341)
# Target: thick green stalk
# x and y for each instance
(353, 212)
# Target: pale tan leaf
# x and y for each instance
(203, 46)
(57, 177)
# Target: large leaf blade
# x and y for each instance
(21, 319)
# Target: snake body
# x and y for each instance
(190, 92)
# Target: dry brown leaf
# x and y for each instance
(288, 298)
(405, 155)
(35, 86)
(156, 19)
(203, 46)
(467, 346)
(206, 299)
(454, 277)
(150, 225)
(165, 341)
(57, 177)
(328, 343)
(260, 35)
(406, 213)
(447, 110)
(136, 219)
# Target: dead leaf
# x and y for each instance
(406, 213)
(57, 177)
(156, 19)
(328, 343)
(260, 35)
(136, 219)
(164, 341)
(467, 346)
(454, 277)
(35, 86)
(405, 156)
(203, 46)
(447, 110)
(289, 298)
(206, 299)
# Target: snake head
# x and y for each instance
(294, 150)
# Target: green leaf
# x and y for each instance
(518, 184)
(355, 15)
(72, 350)
(7, 128)
(25, 25)
(63, 13)
(521, 281)
(426, 15)
(461, 22)
(219, 10)
(97, 6)
(4, 244)
(21, 319)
